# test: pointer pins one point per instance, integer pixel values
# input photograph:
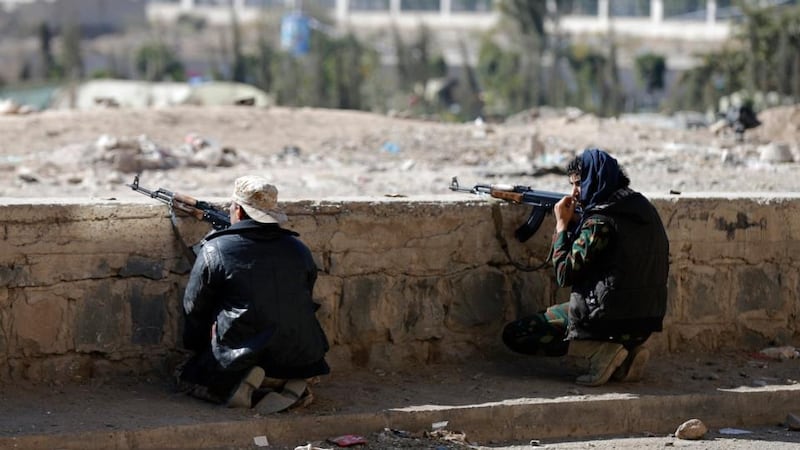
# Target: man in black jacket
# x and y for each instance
(249, 312)
(615, 257)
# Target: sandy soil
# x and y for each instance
(314, 154)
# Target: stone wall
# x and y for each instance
(93, 288)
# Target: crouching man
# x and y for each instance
(249, 313)
(615, 257)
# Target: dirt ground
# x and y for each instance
(317, 154)
(130, 403)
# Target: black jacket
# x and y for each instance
(255, 281)
(627, 291)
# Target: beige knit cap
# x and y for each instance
(258, 198)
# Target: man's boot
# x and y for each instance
(604, 357)
(633, 367)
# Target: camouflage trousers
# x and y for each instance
(543, 333)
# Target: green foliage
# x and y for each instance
(764, 57)
(71, 58)
(417, 61)
(191, 22)
(333, 75)
(239, 62)
(155, 61)
(525, 82)
(501, 78)
(102, 73)
(45, 37)
(588, 64)
(529, 16)
(650, 69)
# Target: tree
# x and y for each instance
(71, 58)
(650, 70)
(238, 72)
(155, 61)
(45, 49)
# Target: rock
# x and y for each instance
(775, 153)
(8, 106)
(692, 429)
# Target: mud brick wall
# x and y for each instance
(91, 288)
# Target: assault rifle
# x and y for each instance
(200, 210)
(542, 202)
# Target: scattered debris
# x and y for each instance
(733, 431)
(448, 436)
(390, 147)
(348, 440)
(780, 353)
(439, 425)
(775, 152)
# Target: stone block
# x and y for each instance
(704, 294)
(389, 356)
(379, 308)
(530, 293)
(14, 274)
(47, 269)
(41, 321)
(423, 312)
(102, 321)
(759, 333)
(140, 266)
(62, 368)
(693, 337)
(674, 306)
(367, 313)
(762, 289)
(6, 321)
(477, 299)
(327, 293)
(148, 315)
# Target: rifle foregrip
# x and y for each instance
(188, 209)
(185, 199)
(505, 195)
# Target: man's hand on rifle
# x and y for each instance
(565, 213)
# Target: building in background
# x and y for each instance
(93, 16)
(671, 19)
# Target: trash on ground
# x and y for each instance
(780, 353)
(348, 440)
(439, 425)
(733, 431)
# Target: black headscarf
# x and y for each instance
(599, 177)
